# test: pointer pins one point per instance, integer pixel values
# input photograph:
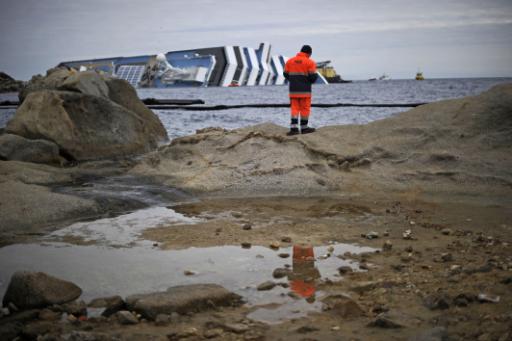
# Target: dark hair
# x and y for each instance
(306, 49)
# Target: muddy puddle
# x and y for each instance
(108, 257)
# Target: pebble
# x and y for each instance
(447, 231)
(386, 233)
(284, 255)
(407, 234)
(162, 319)
(330, 249)
(126, 317)
(275, 245)
(370, 235)
(280, 273)
(213, 333)
(446, 257)
(247, 226)
(286, 239)
(189, 273)
(387, 246)
(335, 328)
(246, 245)
(268, 285)
(486, 298)
(344, 269)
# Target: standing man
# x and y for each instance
(300, 71)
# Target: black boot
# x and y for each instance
(294, 130)
(304, 129)
(307, 130)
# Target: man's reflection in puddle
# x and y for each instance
(304, 273)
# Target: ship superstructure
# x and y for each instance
(215, 66)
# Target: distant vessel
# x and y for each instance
(329, 73)
(215, 66)
(419, 76)
(381, 78)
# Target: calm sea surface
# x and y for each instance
(181, 122)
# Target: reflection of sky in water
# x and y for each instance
(104, 271)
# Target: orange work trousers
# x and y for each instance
(300, 106)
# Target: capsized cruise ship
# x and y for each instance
(215, 66)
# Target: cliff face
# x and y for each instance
(462, 144)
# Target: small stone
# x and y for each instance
(386, 233)
(212, 333)
(335, 328)
(387, 246)
(307, 329)
(246, 245)
(280, 273)
(286, 239)
(284, 255)
(237, 214)
(407, 235)
(408, 249)
(162, 319)
(71, 318)
(126, 317)
(437, 301)
(446, 257)
(447, 231)
(363, 266)
(237, 328)
(275, 245)
(330, 249)
(189, 273)
(247, 226)
(345, 269)
(486, 298)
(268, 285)
(370, 235)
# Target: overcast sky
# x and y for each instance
(363, 38)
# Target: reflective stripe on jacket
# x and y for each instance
(300, 71)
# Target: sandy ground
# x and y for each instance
(458, 250)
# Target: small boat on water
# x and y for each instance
(419, 76)
(381, 78)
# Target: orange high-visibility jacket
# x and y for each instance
(300, 71)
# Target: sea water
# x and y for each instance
(184, 122)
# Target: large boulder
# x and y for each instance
(182, 299)
(14, 147)
(89, 116)
(462, 145)
(53, 79)
(29, 290)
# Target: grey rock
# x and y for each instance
(112, 304)
(345, 269)
(77, 308)
(280, 273)
(33, 329)
(343, 306)
(38, 290)
(162, 319)
(268, 285)
(85, 127)
(18, 148)
(247, 226)
(182, 299)
(9, 331)
(447, 231)
(437, 301)
(126, 317)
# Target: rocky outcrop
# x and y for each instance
(28, 290)
(182, 299)
(87, 115)
(462, 144)
(9, 84)
(14, 147)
